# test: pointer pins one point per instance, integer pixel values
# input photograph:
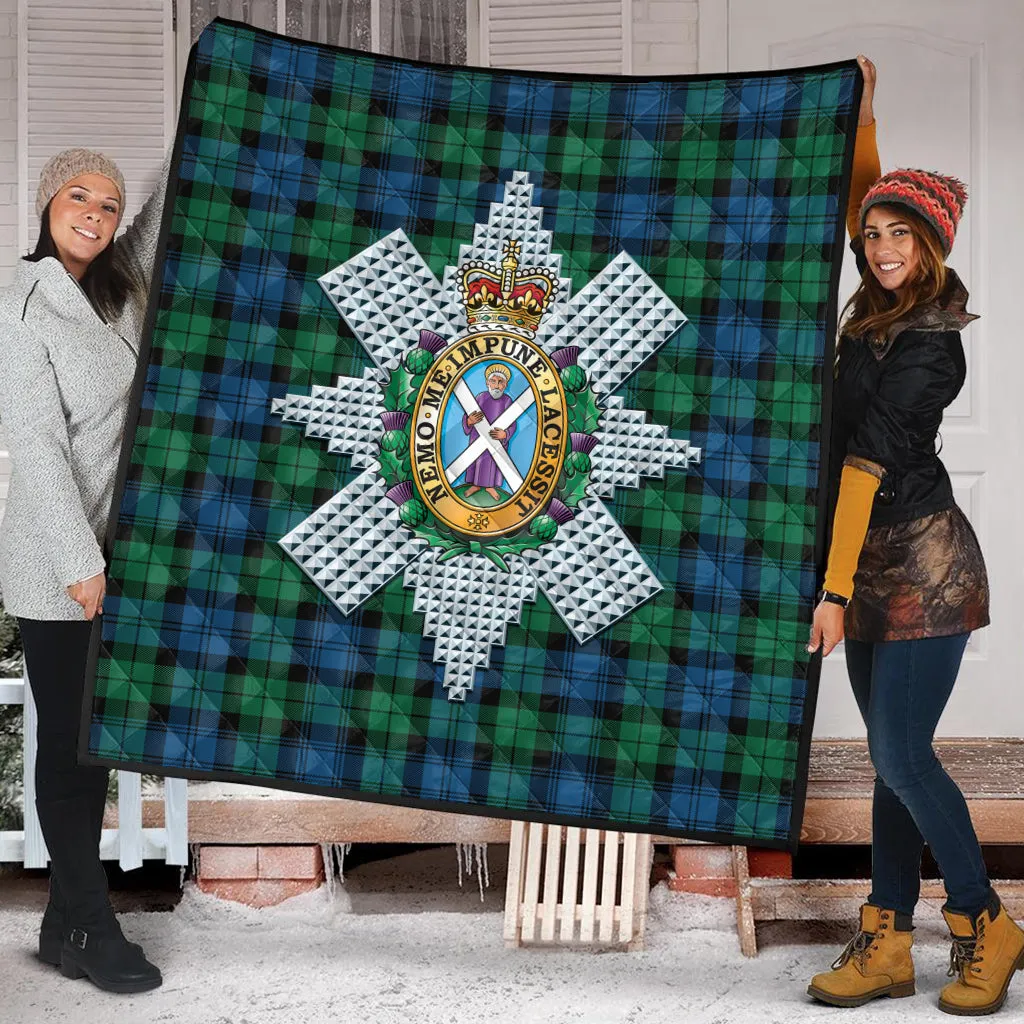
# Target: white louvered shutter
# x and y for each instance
(98, 75)
(585, 36)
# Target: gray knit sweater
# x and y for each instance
(65, 378)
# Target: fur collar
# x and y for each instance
(950, 314)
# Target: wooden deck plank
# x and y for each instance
(990, 771)
(819, 900)
(984, 769)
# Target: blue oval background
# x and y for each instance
(523, 443)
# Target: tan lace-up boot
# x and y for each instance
(876, 962)
(984, 955)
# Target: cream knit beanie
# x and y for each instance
(60, 169)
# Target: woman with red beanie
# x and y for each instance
(906, 583)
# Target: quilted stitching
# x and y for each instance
(220, 658)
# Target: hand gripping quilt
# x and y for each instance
(474, 461)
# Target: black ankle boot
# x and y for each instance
(78, 893)
(108, 960)
(51, 931)
(87, 819)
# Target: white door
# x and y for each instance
(950, 98)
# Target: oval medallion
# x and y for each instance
(489, 434)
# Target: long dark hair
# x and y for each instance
(110, 280)
(872, 309)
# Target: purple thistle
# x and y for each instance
(560, 512)
(394, 420)
(564, 357)
(400, 493)
(583, 442)
(432, 342)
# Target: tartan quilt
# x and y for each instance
(474, 460)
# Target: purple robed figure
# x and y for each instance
(484, 472)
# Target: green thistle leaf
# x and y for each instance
(584, 412)
(573, 489)
(399, 395)
(391, 467)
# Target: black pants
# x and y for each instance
(70, 798)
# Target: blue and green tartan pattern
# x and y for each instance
(220, 659)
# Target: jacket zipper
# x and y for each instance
(109, 327)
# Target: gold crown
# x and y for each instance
(502, 295)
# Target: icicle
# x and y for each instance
(487, 871)
(194, 855)
(327, 853)
(473, 857)
(340, 851)
(483, 874)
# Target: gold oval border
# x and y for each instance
(504, 527)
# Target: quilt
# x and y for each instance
(475, 456)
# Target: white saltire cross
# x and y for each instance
(484, 441)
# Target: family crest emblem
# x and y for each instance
(487, 433)
(482, 425)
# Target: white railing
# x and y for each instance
(129, 844)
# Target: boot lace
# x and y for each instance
(856, 947)
(964, 954)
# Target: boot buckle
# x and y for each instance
(78, 938)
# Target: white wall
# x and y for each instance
(8, 137)
(665, 37)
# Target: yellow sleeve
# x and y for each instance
(866, 171)
(857, 488)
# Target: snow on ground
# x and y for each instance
(313, 961)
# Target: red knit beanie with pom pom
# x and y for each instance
(937, 198)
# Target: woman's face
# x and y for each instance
(889, 246)
(84, 215)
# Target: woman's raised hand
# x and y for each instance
(867, 98)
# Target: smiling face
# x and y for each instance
(84, 215)
(890, 246)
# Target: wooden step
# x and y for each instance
(774, 899)
(990, 772)
(838, 809)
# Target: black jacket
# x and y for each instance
(888, 399)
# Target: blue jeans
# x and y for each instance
(901, 688)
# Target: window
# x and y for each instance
(434, 30)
